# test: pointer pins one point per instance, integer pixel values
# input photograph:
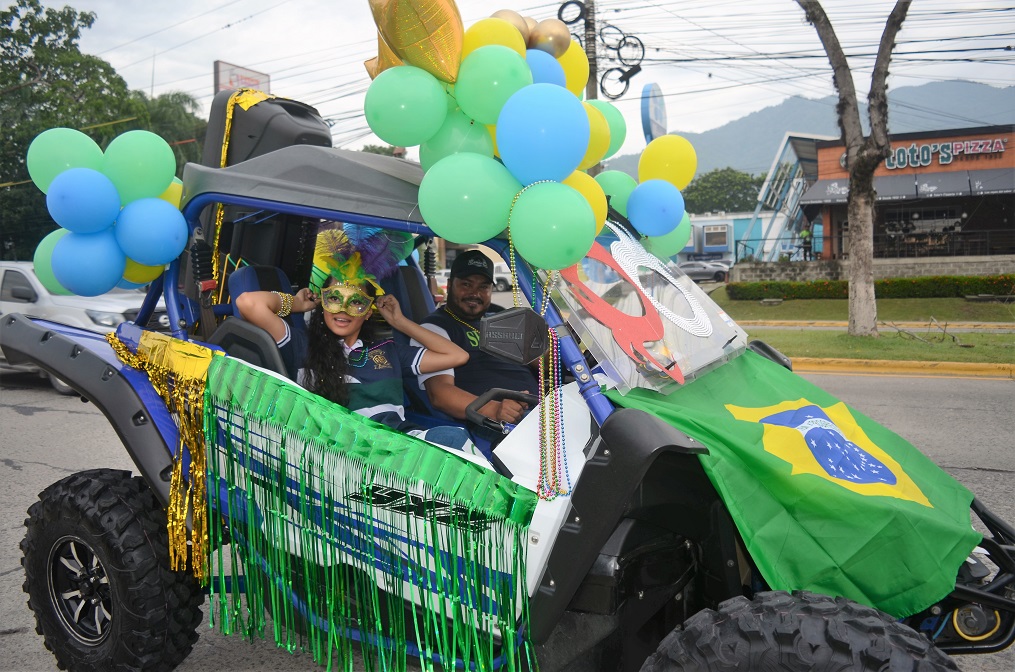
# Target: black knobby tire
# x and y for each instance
(97, 575)
(802, 631)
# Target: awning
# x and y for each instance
(940, 185)
(895, 187)
(992, 181)
(826, 191)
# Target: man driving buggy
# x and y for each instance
(469, 298)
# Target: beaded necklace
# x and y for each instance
(552, 445)
(458, 319)
(361, 359)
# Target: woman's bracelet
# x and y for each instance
(287, 304)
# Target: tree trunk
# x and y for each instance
(863, 155)
(863, 310)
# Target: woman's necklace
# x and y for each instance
(458, 319)
(360, 359)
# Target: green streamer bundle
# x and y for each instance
(342, 529)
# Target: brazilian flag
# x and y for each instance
(826, 499)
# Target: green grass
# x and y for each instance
(989, 348)
(889, 310)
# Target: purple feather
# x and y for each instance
(381, 250)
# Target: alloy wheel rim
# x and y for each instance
(79, 590)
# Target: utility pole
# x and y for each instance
(592, 86)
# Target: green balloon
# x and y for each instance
(487, 78)
(618, 186)
(465, 198)
(615, 120)
(664, 247)
(57, 150)
(458, 134)
(140, 165)
(405, 106)
(552, 226)
(43, 262)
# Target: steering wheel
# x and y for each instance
(473, 415)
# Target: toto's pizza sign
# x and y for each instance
(918, 156)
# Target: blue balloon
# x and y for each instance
(542, 133)
(545, 68)
(655, 207)
(83, 200)
(151, 231)
(88, 264)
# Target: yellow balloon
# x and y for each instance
(492, 31)
(576, 68)
(493, 135)
(515, 19)
(140, 274)
(423, 33)
(670, 158)
(599, 138)
(592, 192)
(172, 195)
(551, 36)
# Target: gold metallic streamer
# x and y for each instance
(178, 371)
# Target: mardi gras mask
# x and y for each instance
(347, 299)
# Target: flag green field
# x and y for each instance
(825, 498)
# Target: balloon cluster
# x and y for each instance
(504, 136)
(118, 210)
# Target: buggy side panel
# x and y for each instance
(643, 470)
(85, 361)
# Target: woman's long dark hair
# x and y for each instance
(326, 364)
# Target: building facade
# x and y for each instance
(940, 193)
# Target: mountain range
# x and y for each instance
(749, 144)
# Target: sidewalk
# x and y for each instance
(892, 367)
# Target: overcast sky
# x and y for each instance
(715, 60)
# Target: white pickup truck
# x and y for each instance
(22, 292)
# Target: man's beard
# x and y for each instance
(470, 307)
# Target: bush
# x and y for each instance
(929, 287)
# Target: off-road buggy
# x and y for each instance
(640, 550)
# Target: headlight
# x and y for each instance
(105, 319)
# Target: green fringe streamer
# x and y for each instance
(371, 530)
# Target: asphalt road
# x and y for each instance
(965, 425)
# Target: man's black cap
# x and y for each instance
(472, 262)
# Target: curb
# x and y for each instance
(882, 367)
(980, 326)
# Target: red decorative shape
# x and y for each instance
(630, 333)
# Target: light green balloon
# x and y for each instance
(57, 150)
(465, 198)
(458, 134)
(487, 78)
(664, 247)
(552, 226)
(615, 120)
(43, 262)
(405, 106)
(140, 164)
(618, 186)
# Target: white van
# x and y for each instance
(22, 292)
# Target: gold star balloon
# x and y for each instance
(424, 33)
(384, 59)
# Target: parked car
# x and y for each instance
(21, 291)
(704, 270)
(501, 278)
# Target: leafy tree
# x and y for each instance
(386, 150)
(173, 116)
(863, 154)
(45, 82)
(723, 189)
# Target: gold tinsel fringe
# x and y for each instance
(178, 371)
